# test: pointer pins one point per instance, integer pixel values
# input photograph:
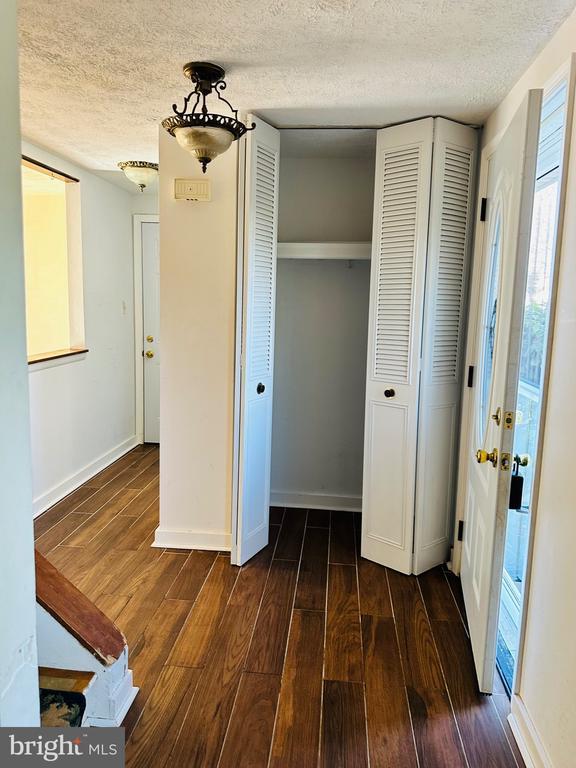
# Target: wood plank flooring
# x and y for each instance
(306, 656)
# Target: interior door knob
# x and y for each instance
(483, 456)
(260, 388)
(389, 392)
(149, 353)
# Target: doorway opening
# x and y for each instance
(538, 301)
(326, 191)
(147, 326)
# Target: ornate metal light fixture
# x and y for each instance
(202, 133)
(140, 172)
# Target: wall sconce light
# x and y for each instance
(139, 172)
(202, 133)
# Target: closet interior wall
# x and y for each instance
(321, 326)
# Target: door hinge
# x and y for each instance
(460, 530)
(470, 382)
(483, 207)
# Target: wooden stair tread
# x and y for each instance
(74, 611)
(65, 679)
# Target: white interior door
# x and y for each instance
(151, 329)
(510, 192)
(257, 356)
(398, 272)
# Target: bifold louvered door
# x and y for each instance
(260, 236)
(397, 281)
(449, 246)
(421, 243)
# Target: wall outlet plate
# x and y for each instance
(199, 190)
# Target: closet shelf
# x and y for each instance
(344, 251)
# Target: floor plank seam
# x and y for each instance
(289, 628)
(444, 678)
(361, 642)
(250, 643)
(402, 663)
(462, 618)
(325, 631)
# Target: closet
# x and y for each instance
(366, 326)
(326, 189)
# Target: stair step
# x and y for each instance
(65, 679)
(63, 696)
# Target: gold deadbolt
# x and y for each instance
(483, 456)
(497, 416)
(149, 339)
(149, 353)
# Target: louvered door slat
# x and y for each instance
(443, 338)
(396, 254)
(401, 204)
(256, 376)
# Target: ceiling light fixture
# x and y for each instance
(202, 133)
(140, 172)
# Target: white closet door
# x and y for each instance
(260, 236)
(400, 234)
(510, 196)
(449, 243)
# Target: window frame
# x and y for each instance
(77, 349)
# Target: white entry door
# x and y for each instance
(151, 329)
(257, 356)
(503, 267)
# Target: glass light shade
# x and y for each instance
(204, 143)
(140, 173)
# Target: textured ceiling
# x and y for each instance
(98, 75)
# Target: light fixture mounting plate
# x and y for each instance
(204, 71)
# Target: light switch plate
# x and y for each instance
(198, 190)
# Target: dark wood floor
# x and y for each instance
(306, 656)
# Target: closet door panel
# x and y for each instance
(259, 295)
(398, 271)
(449, 247)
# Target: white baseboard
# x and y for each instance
(49, 498)
(526, 735)
(192, 540)
(337, 502)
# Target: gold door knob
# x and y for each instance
(483, 456)
(149, 339)
(149, 353)
(522, 460)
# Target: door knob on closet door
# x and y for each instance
(149, 354)
(389, 392)
(260, 388)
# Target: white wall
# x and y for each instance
(321, 335)
(544, 713)
(83, 409)
(197, 320)
(19, 704)
(319, 382)
(325, 199)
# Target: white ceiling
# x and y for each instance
(98, 75)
